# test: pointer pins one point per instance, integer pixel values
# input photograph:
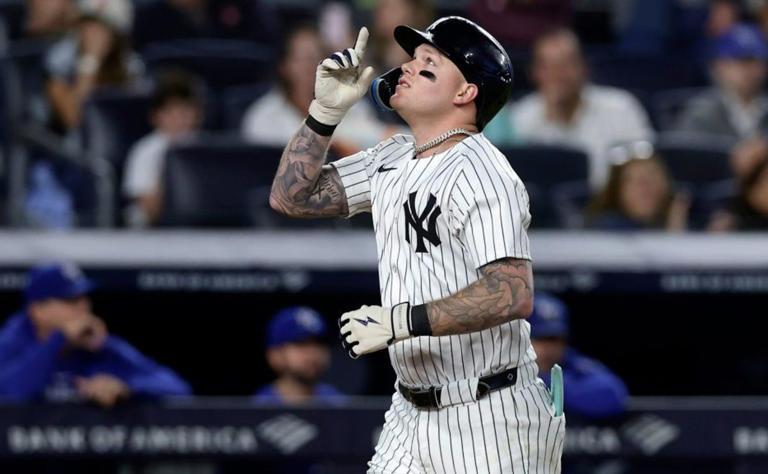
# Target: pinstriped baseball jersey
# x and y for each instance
(437, 220)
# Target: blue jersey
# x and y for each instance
(31, 369)
(324, 393)
(591, 389)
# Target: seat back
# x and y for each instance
(217, 182)
(220, 63)
(544, 169)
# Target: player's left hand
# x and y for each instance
(372, 328)
(340, 82)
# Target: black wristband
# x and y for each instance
(319, 128)
(420, 321)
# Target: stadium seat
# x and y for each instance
(25, 63)
(12, 13)
(667, 105)
(5, 134)
(113, 121)
(647, 73)
(21, 89)
(234, 102)
(699, 165)
(7, 106)
(221, 63)
(716, 196)
(222, 182)
(546, 171)
(695, 159)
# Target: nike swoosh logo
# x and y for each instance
(383, 169)
(365, 322)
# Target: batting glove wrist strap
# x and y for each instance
(420, 321)
(319, 127)
(400, 316)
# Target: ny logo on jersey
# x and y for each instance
(430, 213)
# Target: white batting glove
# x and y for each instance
(339, 84)
(372, 328)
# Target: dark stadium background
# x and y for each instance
(694, 356)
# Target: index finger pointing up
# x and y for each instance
(362, 40)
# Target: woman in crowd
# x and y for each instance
(749, 209)
(95, 54)
(639, 194)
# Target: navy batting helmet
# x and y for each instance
(473, 50)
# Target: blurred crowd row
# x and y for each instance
(174, 112)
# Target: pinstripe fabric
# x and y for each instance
(513, 430)
(481, 213)
(484, 217)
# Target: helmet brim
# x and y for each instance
(410, 38)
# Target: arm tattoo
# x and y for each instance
(505, 292)
(302, 188)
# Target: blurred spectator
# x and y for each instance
(299, 357)
(95, 54)
(751, 207)
(165, 20)
(336, 27)
(55, 348)
(749, 210)
(176, 115)
(639, 194)
(735, 106)
(385, 53)
(747, 155)
(273, 118)
(759, 10)
(48, 204)
(591, 389)
(48, 18)
(722, 16)
(567, 110)
(519, 22)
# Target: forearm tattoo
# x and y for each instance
(505, 292)
(302, 188)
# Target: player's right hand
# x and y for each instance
(86, 332)
(339, 83)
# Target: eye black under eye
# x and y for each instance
(428, 75)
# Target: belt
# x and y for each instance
(430, 397)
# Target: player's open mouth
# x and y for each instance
(403, 82)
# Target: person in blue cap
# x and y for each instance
(735, 106)
(591, 389)
(299, 356)
(55, 349)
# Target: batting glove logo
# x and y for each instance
(377, 328)
(365, 322)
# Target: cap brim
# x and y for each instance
(82, 287)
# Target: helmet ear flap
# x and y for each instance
(383, 88)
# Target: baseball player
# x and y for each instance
(450, 217)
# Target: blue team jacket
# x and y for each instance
(32, 370)
(324, 394)
(591, 389)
